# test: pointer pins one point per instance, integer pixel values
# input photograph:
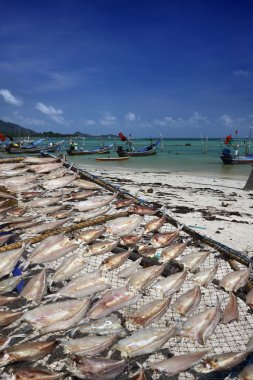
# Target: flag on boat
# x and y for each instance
(122, 137)
(2, 137)
(228, 140)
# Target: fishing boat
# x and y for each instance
(141, 152)
(32, 148)
(111, 158)
(228, 158)
(231, 155)
(104, 150)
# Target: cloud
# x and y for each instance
(197, 120)
(130, 116)
(53, 113)
(108, 119)
(9, 98)
(241, 73)
(227, 120)
(89, 122)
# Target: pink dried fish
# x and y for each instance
(86, 185)
(101, 247)
(246, 373)
(155, 224)
(58, 173)
(95, 368)
(140, 375)
(88, 236)
(147, 250)
(12, 172)
(57, 316)
(145, 277)
(94, 202)
(111, 301)
(123, 226)
(205, 276)
(80, 195)
(42, 168)
(162, 239)
(144, 341)
(61, 214)
(124, 203)
(193, 260)
(115, 261)
(150, 312)
(89, 345)
(19, 181)
(9, 284)
(29, 351)
(9, 259)
(188, 301)
(12, 165)
(7, 299)
(249, 299)
(142, 210)
(172, 283)
(52, 248)
(235, 280)
(42, 202)
(7, 317)
(129, 240)
(31, 194)
(36, 287)
(91, 214)
(47, 226)
(222, 362)
(173, 251)
(231, 311)
(130, 269)
(56, 183)
(201, 326)
(28, 373)
(104, 326)
(179, 363)
(70, 266)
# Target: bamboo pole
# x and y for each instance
(11, 159)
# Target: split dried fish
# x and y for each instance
(115, 261)
(144, 341)
(110, 325)
(58, 173)
(42, 168)
(155, 224)
(94, 202)
(123, 226)
(205, 276)
(193, 260)
(145, 277)
(47, 226)
(150, 312)
(61, 214)
(91, 214)
(29, 351)
(222, 362)
(235, 280)
(95, 368)
(53, 184)
(42, 202)
(172, 283)
(36, 287)
(173, 251)
(139, 375)
(147, 250)
(35, 374)
(12, 172)
(163, 239)
(246, 373)
(101, 247)
(142, 210)
(80, 195)
(86, 185)
(121, 203)
(89, 345)
(69, 267)
(9, 259)
(6, 195)
(21, 180)
(9, 284)
(111, 301)
(130, 269)
(5, 299)
(179, 363)
(201, 326)
(129, 240)
(249, 299)
(231, 311)
(88, 236)
(7, 317)
(39, 160)
(188, 302)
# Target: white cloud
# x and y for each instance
(56, 115)
(108, 119)
(226, 119)
(240, 72)
(130, 116)
(197, 120)
(89, 122)
(9, 98)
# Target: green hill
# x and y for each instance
(15, 130)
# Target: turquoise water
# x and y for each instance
(195, 158)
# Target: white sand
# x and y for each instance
(220, 208)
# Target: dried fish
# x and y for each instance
(52, 248)
(29, 351)
(155, 224)
(205, 276)
(35, 374)
(7, 317)
(145, 277)
(249, 299)
(162, 239)
(80, 195)
(58, 173)
(42, 168)
(47, 226)
(235, 280)
(123, 226)
(193, 260)
(172, 283)
(246, 373)
(88, 346)
(104, 326)
(142, 210)
(144, 341)
(96, 368)
(86, 185)
(9, 259)
(231, 311)
(147, 250)
(36, 288)
(39, 160)
(115, 261)
(124, 203)
(249, 345)
(12, 165)
(31, 194)
(91, 214)
(201, 326)
(88, 236)
(129, 240)
(179, 363)
(111, 301)
(188, 301)
(5, 299)
(9, 284)
(21, 180)
(69, 267)
(150, 312)
(61, 214)
(12, 172)
(173, 251)
(222, 362)
(101, 247)
(94, 202)
(128, 271)
(85, 285)
(139, 375)
(6, 195)
(42, 202)
(56, 183)
(57, 316)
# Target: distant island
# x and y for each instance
(15, 130)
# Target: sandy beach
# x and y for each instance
(217, 208)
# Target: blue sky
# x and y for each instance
(181, 68)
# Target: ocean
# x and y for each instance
(186, 156)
